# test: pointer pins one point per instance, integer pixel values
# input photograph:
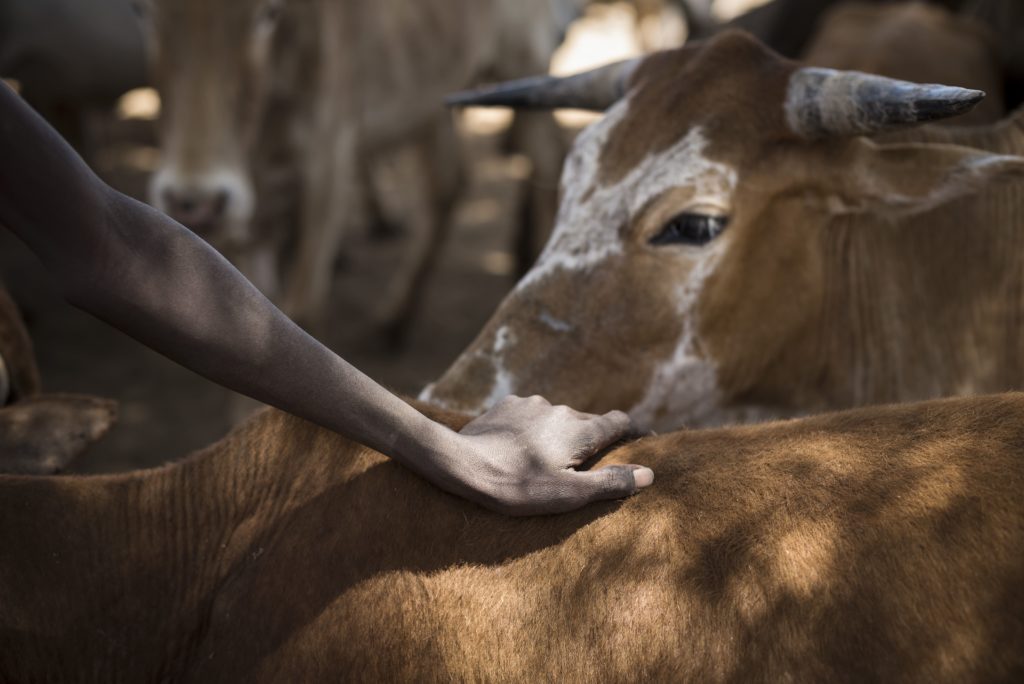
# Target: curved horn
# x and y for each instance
(596, 90)
(824, 102)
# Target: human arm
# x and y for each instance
(155, 280)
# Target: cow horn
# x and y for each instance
(597, 90)
(824, 102)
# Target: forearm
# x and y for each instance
(156, 281)
(167, 288)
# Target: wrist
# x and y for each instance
(432, 450)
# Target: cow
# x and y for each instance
(875, 544)
(730, 247)
(270, 106)
(913, 41)
(40, 433)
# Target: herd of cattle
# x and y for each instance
(740, 237)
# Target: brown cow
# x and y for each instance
(877, 544)
(729, 248)
(913, 41)
(39, 433)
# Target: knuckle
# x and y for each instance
(617, 481)
(562, 411)
(619, 418)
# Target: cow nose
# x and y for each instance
(197, 208)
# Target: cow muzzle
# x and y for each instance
(217, 205)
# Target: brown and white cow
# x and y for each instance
(729, 247)
(273, 110)
(39, 433)
(877, 544)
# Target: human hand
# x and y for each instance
(519, 458)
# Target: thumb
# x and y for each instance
(616, 481)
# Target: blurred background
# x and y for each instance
(85, 67)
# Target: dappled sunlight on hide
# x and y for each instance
(759, 553)
(804, 557)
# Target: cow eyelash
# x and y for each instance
(691, 229)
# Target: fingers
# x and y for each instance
(598, 432)
(615, 481)
(577, 489)
(615, 425)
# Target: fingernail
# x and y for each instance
(643, 477)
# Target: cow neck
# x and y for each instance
(932, 306)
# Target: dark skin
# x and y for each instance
(155, 280)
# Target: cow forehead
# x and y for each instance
(593, 213)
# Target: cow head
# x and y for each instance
(39, 434)
(684, 279)
(213, 64)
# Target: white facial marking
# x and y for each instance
(501, 385)
(427, 394)
(556, 324)
(685, 386)
(590, 215)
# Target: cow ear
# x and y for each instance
(42, 435)
(911, 178)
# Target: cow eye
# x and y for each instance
(690, 229)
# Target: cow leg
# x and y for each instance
(383, 223)
(540, 138)
(330, 190)
(431, 180)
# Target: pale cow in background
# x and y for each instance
(39, 433)
(729, 247)
(271, 106)
(879, 544)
